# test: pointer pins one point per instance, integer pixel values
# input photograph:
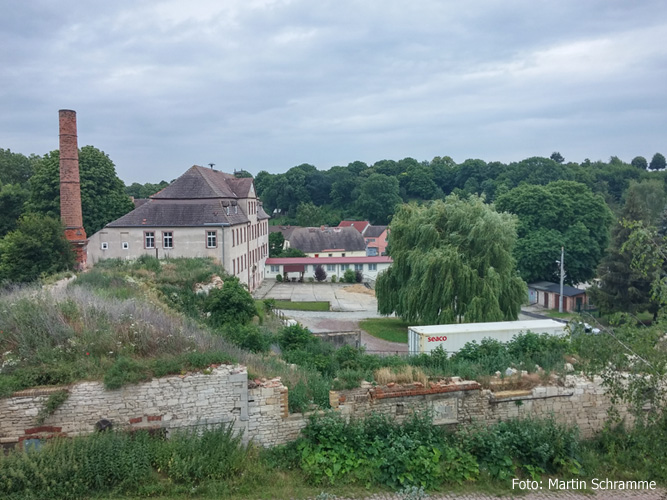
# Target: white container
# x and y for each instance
(423, 339)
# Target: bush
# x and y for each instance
(320, 273)
(230, 304)
(334, 278)
(358, 276)
(349, 276)
(279, 278)
(294, 337)
(249, 337)
(123, 372)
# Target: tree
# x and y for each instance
(639, 162)
(15, 168)
(562, 213)
(103, 197)
(36, 247)
(231, 304)
(292, 252)
(378, 197)
(452, 262)
(622, 287)
(320, 273)
(137, 190)
(276, 242)
(12, 199)
(310, 215)
(557, 157)
(657, 162)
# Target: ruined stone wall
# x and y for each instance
(259, 409)
(169, 402)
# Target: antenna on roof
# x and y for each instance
(211, 165)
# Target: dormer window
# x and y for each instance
(236, 209)
(227, 210)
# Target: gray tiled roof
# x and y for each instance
(547, 286)
(165, 214)
(315, 239)
(199, 182)
(374, 231)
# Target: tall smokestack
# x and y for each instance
(70, 186)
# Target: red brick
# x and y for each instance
(136, 420)
(155, 418)
(43, 428)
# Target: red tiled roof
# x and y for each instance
(359, 225)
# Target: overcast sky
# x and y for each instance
(267, 85)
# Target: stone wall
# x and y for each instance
(259, 409)
(169, 402)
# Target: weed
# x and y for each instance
(52, 403)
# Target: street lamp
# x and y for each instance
(562, 278)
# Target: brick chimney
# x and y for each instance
(70, 186)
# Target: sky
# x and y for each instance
(269, 84)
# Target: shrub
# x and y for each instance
(358, 276)
(334, 278)
(230, 304)
(294, 337)
(348, 276)
(279, 278)
(320, 273)
(248, 337)
(123, 372)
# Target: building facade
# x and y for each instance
(203, 213)
(304, 267)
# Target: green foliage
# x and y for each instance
(506, 447)
(15, 168)
(349, 276)
(334, 278)
(562, 213)
(279, 278)
(657, 162)
(276, 242)
(137, 190)
(36, 247)
(294, 337)
(123, 463)
(231, 304)
(123, 372)
(249, 337)
(103, 197)
(292, 252)
(208, 454)
(52, 403)
(12, 199)
(378, 198)
(452, 262)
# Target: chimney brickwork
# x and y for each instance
(70, 186)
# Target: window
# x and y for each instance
(211, 239)
(105, 245)
(371, 251)
(168, 239)
(358, 267)
(331, 267)
(330, 255)
(227, 210)
(275, 269)
(126, 245)
(149, 239)
(343, 254)
(344, 267)
(233, 239)
(372, 267)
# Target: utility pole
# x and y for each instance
(562, 277)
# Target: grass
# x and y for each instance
(303, 306)
(390, 329)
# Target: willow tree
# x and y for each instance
(452, 263)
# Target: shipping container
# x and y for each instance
(423, 339)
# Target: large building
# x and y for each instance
(203, 213)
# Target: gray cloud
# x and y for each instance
(269, 84)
